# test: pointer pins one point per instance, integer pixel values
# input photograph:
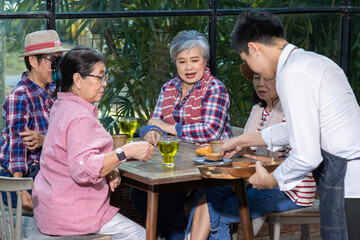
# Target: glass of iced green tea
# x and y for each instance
(128, 126)
(168, 146)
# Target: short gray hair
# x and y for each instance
(187, 40)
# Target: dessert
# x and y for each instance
(214, 156)
(204, 150)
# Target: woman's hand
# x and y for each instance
(32, 139)
(262, 179)
(169, 128)
(139, 150)
(152, 137)
(114, 179)
(156, 122)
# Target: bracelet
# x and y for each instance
(121, 155)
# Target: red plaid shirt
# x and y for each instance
(214, 115)
(27, 105)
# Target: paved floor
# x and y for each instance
(314, 236)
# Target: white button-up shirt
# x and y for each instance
(321, 112)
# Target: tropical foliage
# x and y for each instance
(137, 47)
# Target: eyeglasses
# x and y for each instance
(103, 79)
(54, 60)
(49, 59)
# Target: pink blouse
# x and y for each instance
(69, 195)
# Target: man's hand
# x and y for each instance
(32, 139)
(262, 179)
(152, 137)
(27, 203)
(230, 147)
(236, 144)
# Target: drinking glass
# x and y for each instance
(168, 146)
(128, 126)
(216, 146)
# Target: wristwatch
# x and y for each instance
(121, 155)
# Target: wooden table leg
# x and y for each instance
(151, 213)
(244, 210)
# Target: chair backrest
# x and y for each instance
(8, 185)
(237, 131)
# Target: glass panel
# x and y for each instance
(354, 55)
(23, 6)
(309, 31)
(356, 3)
(230, 4)
(139, 63)
(128, 5)
(12, 35)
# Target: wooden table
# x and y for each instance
(153, 178)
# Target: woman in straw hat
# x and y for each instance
(215, 208)
(27, 110)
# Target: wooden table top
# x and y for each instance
(153, 173)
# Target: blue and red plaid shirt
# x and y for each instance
(215, 119)
(27, 105)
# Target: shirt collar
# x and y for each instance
(43, 93)
(284, 56)
(177, 84)
(73, 97)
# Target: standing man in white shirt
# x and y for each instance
(322, 122)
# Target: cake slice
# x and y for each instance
(214, 156)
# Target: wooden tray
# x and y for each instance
(232, 170)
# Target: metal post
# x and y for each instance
(2, 63)
(51, 18)
(212, 35)
(345, 37)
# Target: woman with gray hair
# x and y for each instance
(194, 107)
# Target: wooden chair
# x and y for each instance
(10, 184)
(303, 216)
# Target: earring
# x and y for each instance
(257, 56)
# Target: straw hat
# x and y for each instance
(246, 71)
(42, 42)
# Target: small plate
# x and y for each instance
(202, 160)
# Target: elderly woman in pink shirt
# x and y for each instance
(72, 190)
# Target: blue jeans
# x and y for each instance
(171, 219)
(329, 177)
(223, 207)
(32, 172)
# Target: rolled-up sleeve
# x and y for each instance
(275, 136)
(84, 158)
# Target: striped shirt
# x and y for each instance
(304, 193)
(214, 114)
(27, 105)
